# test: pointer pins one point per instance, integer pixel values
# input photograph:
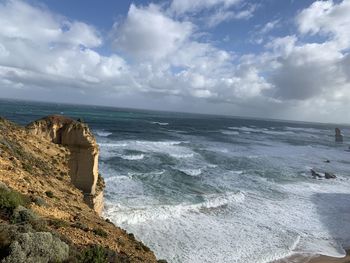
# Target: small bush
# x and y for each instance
(57, 223)
(81, 226)
(94, 254)
(49, 194)
(27, 167)
(100, 232)
(9, 200)
(23, 215)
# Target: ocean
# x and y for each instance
(203, 188)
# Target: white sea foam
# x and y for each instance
(133, 157)
(179, 155)
(160, 123)
(103, 133)
(226, 132)
(145, 213)
(191, 172)
(268, 221)
(176, 149)
(245, 129)
(113, 145)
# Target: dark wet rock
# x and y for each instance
(327, 161)
(330, 175)
(315, 174)
(338, 135)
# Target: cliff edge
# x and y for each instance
(43, 215)
(83, 160)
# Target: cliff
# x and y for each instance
(83, 149)
(43, 215)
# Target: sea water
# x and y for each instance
(200, 188)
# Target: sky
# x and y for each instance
(282, 59)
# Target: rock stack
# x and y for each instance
(83, 161)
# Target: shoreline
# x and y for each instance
(312, 258)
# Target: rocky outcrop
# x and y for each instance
(37, 197)
(83, 161)
(338, 135)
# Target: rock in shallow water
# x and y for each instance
(330, 176)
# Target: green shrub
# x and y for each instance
(57, 223)
(100, 232)
(49, 194)
(9, 200)
(22, 215)
(94, 254)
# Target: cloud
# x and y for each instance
(223, 15)
(42, 49)
(147, 33)
(194, 6)
(159, 60)
(212, 12)
(314, 70)
(327, 18)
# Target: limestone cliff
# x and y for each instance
(39, 205)
(76, 136)
(83, 162)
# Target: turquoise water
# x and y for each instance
(201, 188)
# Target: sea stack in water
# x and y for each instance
(83, 161)
(338, 135)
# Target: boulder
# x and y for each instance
(329, 175)
(315, 174)
(338, 135)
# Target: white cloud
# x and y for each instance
(147, 33)
(39, 48)
(53, 56)
(327, 18)
(309, 71)
(213, 12)
(194, 6)
(223, 15)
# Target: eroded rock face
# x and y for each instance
(77, 137)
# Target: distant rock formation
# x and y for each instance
(326, 175)
(338, 135)
(315, 174)
(84, 151)
(329, 175)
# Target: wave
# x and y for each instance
(112, 145)
(160, 123)
(133, 157)
(245, 129)
(226, 132)
(191, 172)
(123, 214)
(182, 155)
(311, 130)
(103, 133)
